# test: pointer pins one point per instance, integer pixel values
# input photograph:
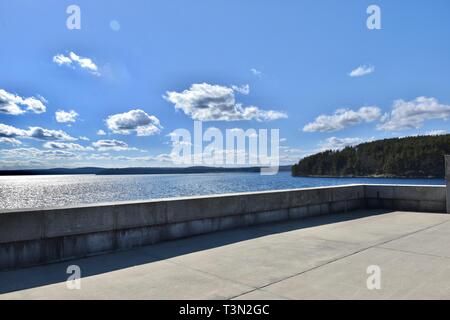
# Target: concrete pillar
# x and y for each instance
(447, 177)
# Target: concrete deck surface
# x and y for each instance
(318, 258)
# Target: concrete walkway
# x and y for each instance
(317, 258)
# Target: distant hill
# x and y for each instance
(183, 170)
(123, 171)
(55, 171)
(174, 170)
(410, 157)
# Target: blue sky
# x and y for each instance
(291, 57)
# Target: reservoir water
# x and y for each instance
(18, 192)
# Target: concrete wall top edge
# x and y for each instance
(225, 195)
(405, 185)
(173, 199)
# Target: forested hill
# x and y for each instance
(411, 157)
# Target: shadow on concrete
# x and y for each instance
(38, 276)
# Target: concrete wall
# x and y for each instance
(33, 237)
(406, 198)
(447, 177)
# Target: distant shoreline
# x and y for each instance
(133, 171)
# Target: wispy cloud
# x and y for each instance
(7, 131)
(256, 72)
(343, 118)
(334, 143)
(436, 132)
(244, 89)
(362, 71)
(73, 60)
(407, 115)
(111, 145)
(34, 153)
(290, 155)
(66, 146)
(23, 164)
(11, 141)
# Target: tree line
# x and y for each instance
(410, 157)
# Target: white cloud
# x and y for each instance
(69, 155)
(84, 138)
(134, 121)
(412, 114)
(290, 155)
(19, 153)
(64, 116)
(362, 71)
(256, 72)
(110, 145)
(34, 153)
(101, 133)
(436, 132)
(343, 118)
(13, 104)
(335, 143)
(244, 89)
(164, 157)
(73, 60)
(16, 164)
(38, 133)
(61, 59)
(84, 63)
(7, 131)
(66, 146)
(141, 160)
(47, 134)
(12, 141)
(207, 102)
